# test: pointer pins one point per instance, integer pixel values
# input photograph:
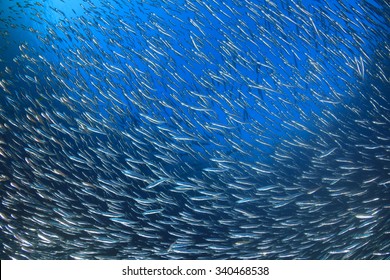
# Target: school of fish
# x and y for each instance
(195, 129)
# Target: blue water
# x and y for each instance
(269, 87)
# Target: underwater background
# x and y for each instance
(194, 129)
